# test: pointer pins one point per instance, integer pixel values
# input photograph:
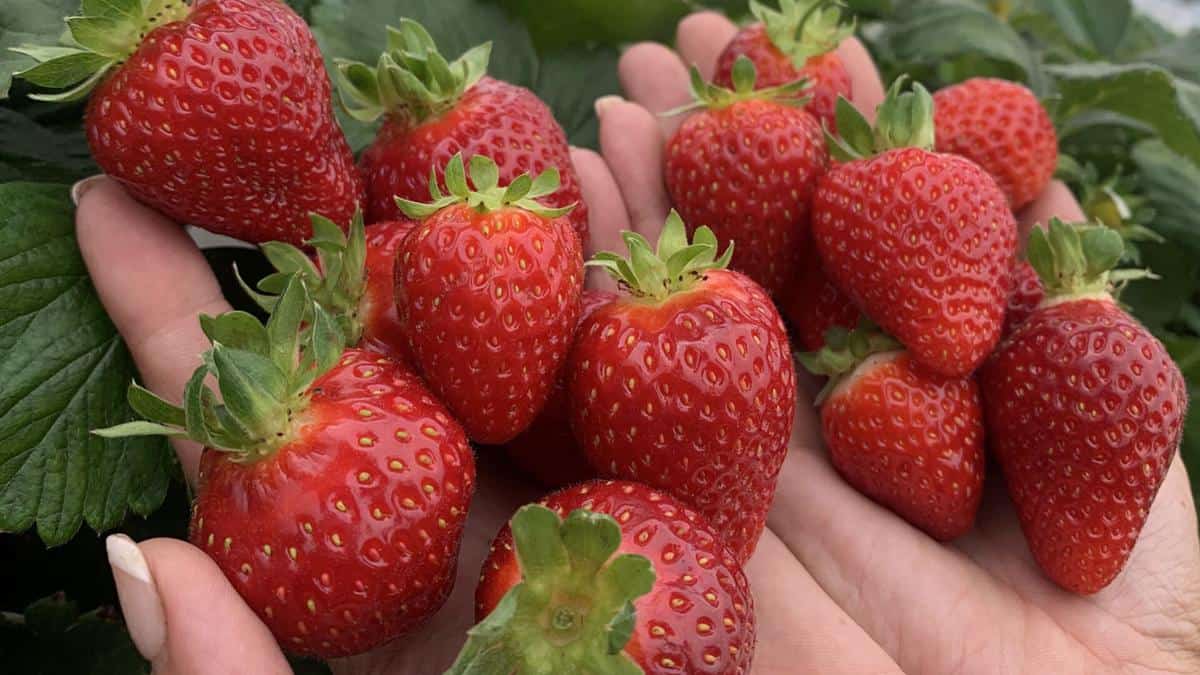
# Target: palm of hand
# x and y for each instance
(843, 586)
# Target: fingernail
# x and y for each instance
(78, 189)
(605, 102)
(139, 596)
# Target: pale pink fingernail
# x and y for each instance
(81, 187)
(605, 102)
(140, 602)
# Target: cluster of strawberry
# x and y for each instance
(339, 471)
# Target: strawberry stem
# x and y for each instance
(715, 97)
(488, 195)
(802, 29)
(844, 351)
(904, 120)
(1078, 259)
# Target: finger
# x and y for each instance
(607, 217)
(1056, 201)
(184, 616)
(631, 142)
(866, 87)
(153, 282)
(653, 77)
(701, 37)
(827, 641)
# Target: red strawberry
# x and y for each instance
(547, 449)
(746, 166)
(1026, 295)
(1084, 411)
(796, 41)
(340, 529)
(488, 287)
(813, 305)
(687, 384)
(923, 242)
(452, 108)
(910, 439)
(691, 611)
(1002, 127)
(216, 113)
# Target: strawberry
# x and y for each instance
(922, 242)
(488, 287)
(333, 487)
(747, 166)
(1026, 295)
(908, 438)
(1002, 127)
(813, 305)
(796, 41)
(673, 599)
(215, 113)
(547, 449)
(444, 109)
(1084, 411)
(686, 383)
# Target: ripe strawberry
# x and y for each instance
(1026, 295)
(353, 278)
(673, 600)
(922, 242)
(215, 113)
(910, 439)
(488, 287)
(813, 305)
(686, 384)
(746, 167)
(1084, 411)
(547, 449)
(1002, 127)
(447, 109)
(796, 41)
(333, 488)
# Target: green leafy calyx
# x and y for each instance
(262, 371)
(715, 97)
(1078, 259)
(844, 351)
(573, 610)
(411, 79)
(102, 37)
(488, 195)
(336, 282)
(802, 29)
(674, 266)
(904, 120)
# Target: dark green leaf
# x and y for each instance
(1181, 56)
(565, 23)
(29, 23)
(52, 638)
(570, 81)
(1158, 302)
(1171, 185)
(63, 371)
(31, 151)
(1099, 24)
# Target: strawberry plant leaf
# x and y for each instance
(33, 152)
(560, 84)
(52, 637)
(1100, 25)
(28, 23)
(63, 371)
(1169, 184)
(1181, 56)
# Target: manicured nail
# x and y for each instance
(140, 602)
(605, 102)
(78, 189)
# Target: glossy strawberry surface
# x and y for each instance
(1002, 127)
(694, 395)
(1084, 411)
(347, 535)
(490, 302)
(748, 171)
(1027, 292)
(911, 440)
(924, 243)
(500, 120)
(812, 304)
(382, 328)
(698, 617)
(224, 120)
(827, 73)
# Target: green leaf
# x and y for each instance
(51, 637)
(28, 23)
(564, 23)
(35, 152)
(63, 372)
(1171, 186)
(1181, 56)
(1147, 93)
(1100, 25)
(1158, 302)
(570, 81)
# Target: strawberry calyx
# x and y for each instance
(488, 195)
(674, 266)
(744, 74)
(844, 351)
(337, 281)
(903, 120)
(573, 610)
(802, 29)
(1078, 260)
(102, 37)
(411, 79)
(263, 373)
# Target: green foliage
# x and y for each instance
(28, 22)
(51, 637)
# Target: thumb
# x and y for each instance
(184, 616)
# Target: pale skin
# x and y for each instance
(847, 587)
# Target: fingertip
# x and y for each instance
(603, 196)
(1056, 201)
(653, 76)
(867, 89)
(701, 37)
(631, 142)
